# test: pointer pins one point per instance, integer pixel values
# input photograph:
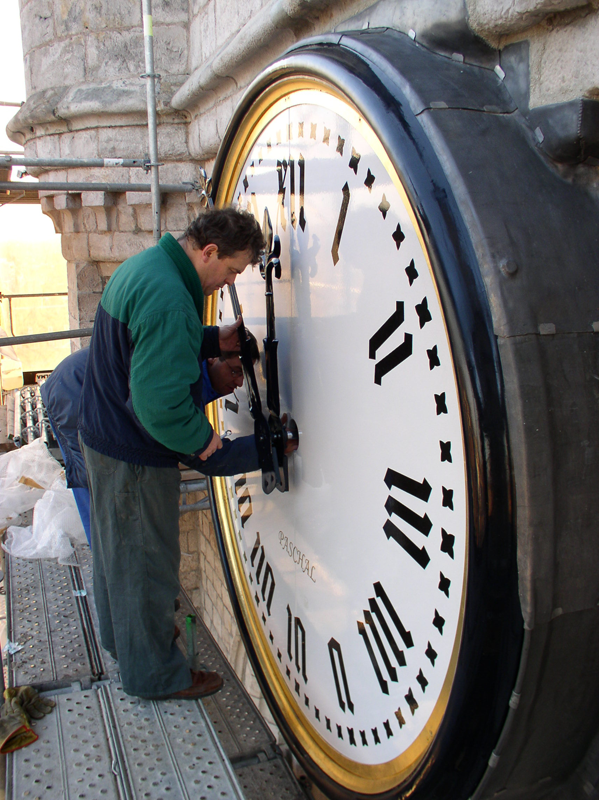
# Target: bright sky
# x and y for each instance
(16, 222)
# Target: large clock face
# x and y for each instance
(353, 582)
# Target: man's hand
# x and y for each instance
(228, 338)
(215, 444)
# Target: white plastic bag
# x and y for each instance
(15, 500)
(31, 465)
(24, 476)
(56, 523)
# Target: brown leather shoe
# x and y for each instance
(203, 685)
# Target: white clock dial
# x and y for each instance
(354, 580)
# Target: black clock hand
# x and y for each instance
(271, 343)
(278, 432)
(261, 429)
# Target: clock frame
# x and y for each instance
(365, 75)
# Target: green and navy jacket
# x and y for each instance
(137, 403)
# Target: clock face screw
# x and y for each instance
(509, 267)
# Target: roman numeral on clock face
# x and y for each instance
(336, 657)
(346, 194)
(372, 622)
(301, 165)
(268, 579)
(287, 170)
(422, 524)
(395, 357)
(230, 406)
(296, 635)
(244, 500)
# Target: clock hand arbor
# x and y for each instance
(261, 428)
(262, 431)
(275, 436)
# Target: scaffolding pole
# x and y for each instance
(8, 341)
(63, 186)
(7, 160)
(150, 77)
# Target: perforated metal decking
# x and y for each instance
(99, 742)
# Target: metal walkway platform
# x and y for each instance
(101, 743)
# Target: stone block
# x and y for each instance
(105, 218)
(47, 203)
(217, 627)
(222, 113)
(100, 246)
(75, 246)
(47, 147)
(127, 141)
(169, 11)
(492, 18)
(176, 217)
(81, 144)
(208, 135)
(230, 17)
(211, 592)
(88, 278)
(100, 16)
(183, 536)
(105, 269)
(87, 304)
(114, 54)
(88, 220)
(69, 19)
(72, 286)
(126, 219)
(172, 142)
(69, 221)
(37, 24)
(140, 199)
(170, 49)
(564, 60)
(207, 27)
(96, 199)
(126, 245)
(66, 200)
(177, 172)
(58, 64)
(185, 521)
(145, 218)
(195, 44)
(198, 5)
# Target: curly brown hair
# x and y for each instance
(230, 229)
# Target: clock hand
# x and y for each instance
(261, 429)
(271, 343)
(278, 431)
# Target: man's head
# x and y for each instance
(226, 373)
(221, 242)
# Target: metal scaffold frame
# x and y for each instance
(149, 165)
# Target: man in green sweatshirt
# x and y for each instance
(137, 417)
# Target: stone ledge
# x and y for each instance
(84, 99)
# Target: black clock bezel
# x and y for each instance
(492, 631)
